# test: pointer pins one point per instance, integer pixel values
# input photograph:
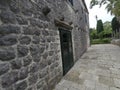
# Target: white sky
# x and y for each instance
(100, 12)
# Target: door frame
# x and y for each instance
(70, 47)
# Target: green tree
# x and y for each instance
(107, 29)
(112, 6)
(99, 26)
(115, 24)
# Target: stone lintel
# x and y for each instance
(63, 24)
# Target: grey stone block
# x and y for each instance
(14, 6)
(23, 73)
(8, 40)
(34, 67)
(51, 53)
(21, 85)
(33, 79)
(35, 49)
(7, 54)
(8, 17)
(22, 50)
(43, 64)
(22, 20)
(43, 73)
(54, 46)
(4, 67)
(42, 85)
(45, 33)
(27, 60)
(45, 55)
(31, 30)
(36, 39)
(7, 29)
(9, 78)
(25, 40)
(16, 64)
(36, 22)
(42, 39)
(36, 58)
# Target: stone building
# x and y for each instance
(40, 40)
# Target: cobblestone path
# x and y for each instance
(97, 69)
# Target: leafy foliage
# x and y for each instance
(101, 41)
(112, 6)
(93, 34)
(103, 36)
(107, 29)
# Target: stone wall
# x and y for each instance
(30, 53)
(115, 42)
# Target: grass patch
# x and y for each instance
(101, 41)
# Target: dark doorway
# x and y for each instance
(66, 49)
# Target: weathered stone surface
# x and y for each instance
(36, 58)
(14, 6)
(21, 85)
(51, 53)
(34, 67)
(50, 60)
(42, 49)
(53, 39)
(42, 39)
(45, 55)
(36, 39)
(33, 79)
(23, 73)
(7, 54)
(4, 3)
(27, 60)
(54, 65)
(8, 17)
(30, 88)
(8, 40)
(116, 42)
(22, 51)
(45, 33)
(49, 39)
(26, 7)
(9, 88)
(16, 64)
(4, 67)
(31, 31)
(36, 49)
(9, 78)
(43, 73)
(22, 20)
(43, 64)
(7, 29)
(54, 46)
(42, 85)
(25, 40)
(36, 22)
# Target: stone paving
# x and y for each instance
(97, 69)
